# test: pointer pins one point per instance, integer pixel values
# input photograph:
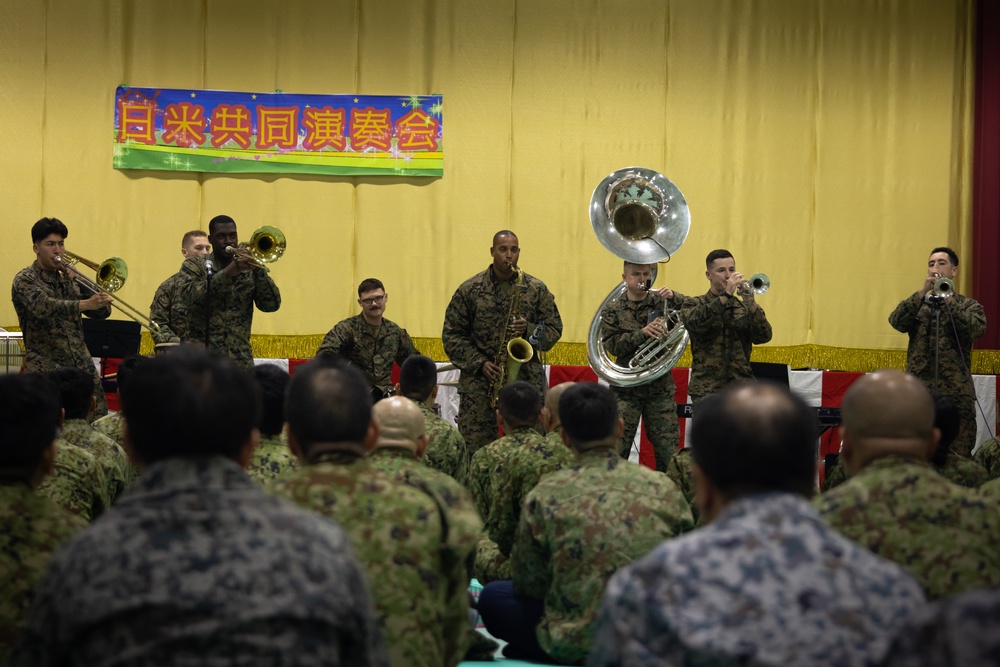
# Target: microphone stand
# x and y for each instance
(208, 301)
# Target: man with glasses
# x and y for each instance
(368, 341)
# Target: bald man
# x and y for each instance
(896, 504)
(551, 422)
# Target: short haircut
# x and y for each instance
(721, 253)
(417, 377)
(29, 420)
(519, 404)
(502, 232)
(125, 369)
(627, 263)
(75, 389)
(191, 236)
(219, 220)
(46, 227)
(189, 404)
(952, 255)
(328, 401)
(743, 447)
(948, 420)
(272, 380)
(588, 411)
(370, 285)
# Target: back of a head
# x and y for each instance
(400, 423)
(76, 388)
(29, 420)
(328, 401)
(189, 404)
(125, 369)
(417, 377)
(272, 380)
(519, 404)
(756, 437)
(589, 414)
(887, 412)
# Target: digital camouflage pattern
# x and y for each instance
(272, 459)
(490, 564)
(767, 582)
(47, 304)
(233, 301)
(197, 565)
(722, 338)
(111, 426)
(944, 365)
(516, 474)
(962, 471)
(475, 325)
(446, 450)
(580, 524)
(398, 534)
(118, 471)
(947, 536)
(77, 482)
(988, 456)
(170, 311)
(31, 527)
(991, 490)
(621, 330)
(837, 475)
(555, 436)
(679, 472)
(372, 350)
(463, 528)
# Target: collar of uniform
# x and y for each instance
(894, 460)
(335, 452)
(599, 452)
(496, 281)
(393, 453)
(521, 430)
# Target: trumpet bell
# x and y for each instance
(943, 288)
(759, 283)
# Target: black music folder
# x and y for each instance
(116, 339)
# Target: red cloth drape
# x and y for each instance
(986, 171)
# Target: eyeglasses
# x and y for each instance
(375, 300)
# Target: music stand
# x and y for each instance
(115, 339)
(771, 372)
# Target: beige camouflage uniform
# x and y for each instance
(446, 450)
(397, 532)
(947, 536)
(917, 319)
(48, 311)
(722, 337)
(31, 527)
(272, 459)
(580, 524)
(77, 483)
(118, 471)
(372, 350)
(475, 325)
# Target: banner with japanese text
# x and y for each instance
(224, 131)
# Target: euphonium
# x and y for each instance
(513, 350)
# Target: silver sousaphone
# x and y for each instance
(640, 216)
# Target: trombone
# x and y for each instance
(111, 275)
(265, 246)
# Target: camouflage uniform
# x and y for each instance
(918, 320)
(580, 524)
(621, 331)
(77, 483)
(398, 532)
(962, 471)
(233, 301)
(446, 450)
(31, 527)
(196, 565)
(118, 472)
(370, 349)
(722, 337)
(48, 311)
(475, 326)
(111, 426)
(988, 456)
(170, 312)
(838, 474)
(679, 472)
(901, 509)
(767, 582)
(272, 459)
(991, 489)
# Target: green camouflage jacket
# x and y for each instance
(918, 320)
(111, 426)
(446, 450)
(947, 536)
(397, 532)
(118, 471)
(621, 330)
(722, 337)
(370, 349)
(476, 320)
(170, 311)
(77, 482)
(988, 456)
(580, 524)
(963, 471)
(679, 472)
(31, 527)
(272, 459)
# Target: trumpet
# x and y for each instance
(757, 284)
(111, 276)
(943, 288)
(266, 245)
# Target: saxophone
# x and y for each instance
(513, 350)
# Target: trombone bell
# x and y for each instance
(266, 245)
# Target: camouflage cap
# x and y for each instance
(400, 423)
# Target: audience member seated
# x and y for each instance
(446, 450)
(766, 581)
(111, 424)
(551, 423)
(396, 528)
(949, 463)
(896, 504)
(579, 525)
(679, 470)
(988, 456)
(31, 526)
(77, 482)
(272, 458)
(196, 565)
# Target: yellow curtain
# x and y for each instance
(825, 143)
